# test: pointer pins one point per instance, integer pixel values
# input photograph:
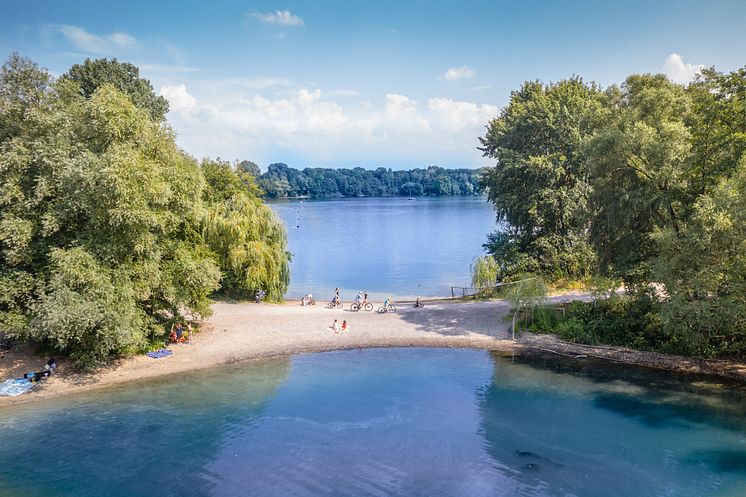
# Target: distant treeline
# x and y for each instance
(282, 181)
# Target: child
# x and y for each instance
(344, 326)
(335, 326)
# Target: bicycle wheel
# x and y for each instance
(381, 310)
(354, 307)
(392, 308)
(368, 306)
(340, 305)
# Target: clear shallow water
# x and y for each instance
(403, 422)
(384, 245)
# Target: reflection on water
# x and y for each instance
(383, 245)
(387, 422)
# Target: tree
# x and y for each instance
(125, 77)
(108, 231)
(703, 267)
(639, 163)
(527, 291)
(484, 271)
(540, 184)
(246, 235)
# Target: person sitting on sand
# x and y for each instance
(177, 332)
(344, 326)
(335, 326)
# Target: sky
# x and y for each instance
(397, 84)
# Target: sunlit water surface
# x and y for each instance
(384, 245)
(403, 422)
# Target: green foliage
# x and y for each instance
(540, 185)
(484, 271)
(643, 183)
(281, 181)
(107, 230)
(703, 267)
(245, 234)
(527, 292)
(639, 163)
(93, 74)
(633, 321)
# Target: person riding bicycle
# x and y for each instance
(359, 299)
(387, 303)
(365, 297)
(418, 303)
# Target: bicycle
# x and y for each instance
(363, 305)
(382, 309)
(332, 305)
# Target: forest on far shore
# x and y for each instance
(283, 181)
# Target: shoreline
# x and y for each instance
(240, 332)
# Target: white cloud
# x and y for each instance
(454, 115)
(179, 99)
(234, 121)
(343, 93)
(679, 71)
(458, 73)
(282, 17)
(90, 43)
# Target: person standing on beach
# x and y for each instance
(344, 326)
(335, 326)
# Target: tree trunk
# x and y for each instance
(514, 317)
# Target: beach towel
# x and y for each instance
(11, 388)
(158, 354)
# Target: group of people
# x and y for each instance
(181, 333)
(307, 300)
(336, 328)
(360, 299)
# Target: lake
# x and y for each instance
(387, 246)
(386, 422)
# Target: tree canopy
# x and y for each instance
(540, 184)
(108, 231)
(643, 182)
(125, 77)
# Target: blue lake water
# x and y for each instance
(384, 245)
(394, 422)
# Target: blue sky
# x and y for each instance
(349, 83)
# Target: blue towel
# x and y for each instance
(11, 388)
(157, 354)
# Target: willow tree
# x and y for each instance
(484, 271)
(247, 236)
(527, 291)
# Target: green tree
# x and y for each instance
(484, 271)
(125, 77)
(108, 231)
(246, 235)
(639, 162)
(527, 291)
(540, 184)
(703, 267)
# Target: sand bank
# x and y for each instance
(243, 331)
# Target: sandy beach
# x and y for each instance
(245, 331)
